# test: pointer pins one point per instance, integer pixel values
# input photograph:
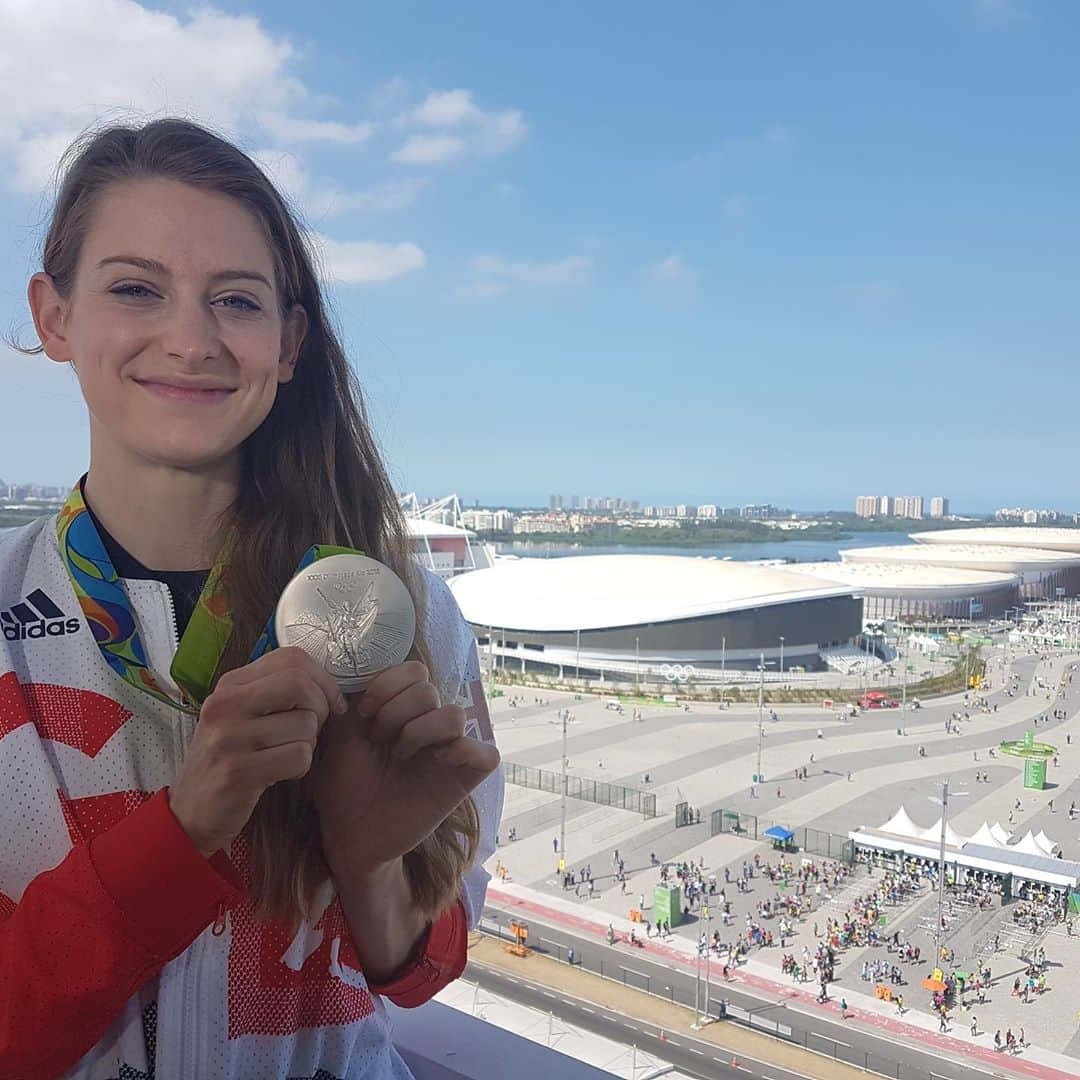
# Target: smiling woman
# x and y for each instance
(215, 865)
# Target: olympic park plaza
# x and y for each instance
(625, 615)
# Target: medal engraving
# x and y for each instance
(351, 614)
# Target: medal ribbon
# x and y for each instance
(109, 614)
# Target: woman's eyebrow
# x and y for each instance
(155, 267)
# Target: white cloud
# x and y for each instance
(670, 270)
(289, 129)
(454, 111)
(493, 274)
(322, 200)
(426, 149)
(365, 262)
(999, 13)
(67, 66)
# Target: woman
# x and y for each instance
(213, 864)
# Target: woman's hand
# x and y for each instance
(392, 769)
(260, 725)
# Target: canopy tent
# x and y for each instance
(1028, 845)
(1001, 834)
(778, 832)
(901, 825)
(1048, 845)
(986, 837)
(952, 838)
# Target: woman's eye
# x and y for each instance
(249, 305)
(129, 290)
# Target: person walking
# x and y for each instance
(974, 1026)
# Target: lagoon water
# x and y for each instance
(796, 550)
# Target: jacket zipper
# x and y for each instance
(189, 1047)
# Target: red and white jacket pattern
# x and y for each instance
(123, 953)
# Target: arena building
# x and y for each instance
(1032, 536)
(1040, 572)
(632, 614)
(921, 591)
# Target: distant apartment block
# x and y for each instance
(939, 507)
(908, 506)
(885, 506)
(866, 506)
(758, 511)
(685, 511)
(1027, 516)
(707, 511)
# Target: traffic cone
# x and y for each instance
(734, 1061)
(663, 1037)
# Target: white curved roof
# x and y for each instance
(1001, 834)
(880, 578)
(1030, 536)
(590, 592)
(421, 527)
(965, 556)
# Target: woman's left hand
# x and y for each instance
(392, 769)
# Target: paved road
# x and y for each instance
(830, 1037)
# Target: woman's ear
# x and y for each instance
(293, 331)
(49, 310)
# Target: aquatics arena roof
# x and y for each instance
(907, 577)
(593, 592)
(965, 556)
(1033, 536)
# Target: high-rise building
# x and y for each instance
(866, 506)
(575, 501)
(939, 507)
(684, 511)
(884, 506)
(908, 506)
(707, 511)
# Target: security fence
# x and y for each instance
(579, 787)
(812, 841)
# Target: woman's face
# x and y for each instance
(173, 324)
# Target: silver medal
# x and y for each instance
(351, 614)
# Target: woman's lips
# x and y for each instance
(193, 394)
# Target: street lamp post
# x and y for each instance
(781, 654)
(562, 800)
(723, 669)
(577, 669)
(761, 715)
(941, 865)
(637, 664)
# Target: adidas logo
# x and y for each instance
(36, 617)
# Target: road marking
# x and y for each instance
(548, 993)
(829, 1038)
(673, 1042)
(585, 1008)
(693, 1051)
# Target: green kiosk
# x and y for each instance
(667, 905)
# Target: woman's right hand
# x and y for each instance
(259, 726)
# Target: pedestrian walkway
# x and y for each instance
(756, 976)
(738, 1043)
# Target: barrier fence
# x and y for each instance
(579, 787)
(812, 841)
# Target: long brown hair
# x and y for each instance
(311, 473)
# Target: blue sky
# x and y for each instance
(780, 252)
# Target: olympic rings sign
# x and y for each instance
(677, 672)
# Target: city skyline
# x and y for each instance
(714, 510)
